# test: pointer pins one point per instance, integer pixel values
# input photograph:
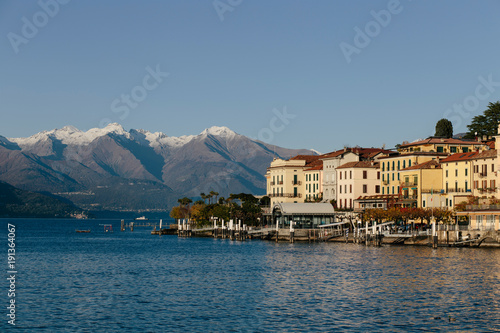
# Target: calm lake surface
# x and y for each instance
(137, 282)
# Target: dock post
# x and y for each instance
(292, 232)
(277, 229)
(122, 227)
(131, 226)
(434, 234)
(366, 234)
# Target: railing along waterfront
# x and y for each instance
(482, 207)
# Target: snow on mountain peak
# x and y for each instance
(219, 131)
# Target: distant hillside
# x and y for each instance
(111, 169)
(19, 203)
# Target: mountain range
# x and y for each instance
(114, 169)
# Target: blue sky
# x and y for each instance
(239, 63)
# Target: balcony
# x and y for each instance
(280, 182)
(408, 184)
(483, 174)
(285, 195)
(272, 183)
(385, 182)
(296, 182)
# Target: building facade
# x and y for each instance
(356, 179)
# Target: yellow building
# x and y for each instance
(314, 181)
(457, 178)
(442, 145)
(392, 164)
(286, 178)
(421, 184)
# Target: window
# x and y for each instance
(465, 149)
(453, 149)
(378, 174)
(393, 176)
(377, 189)
(393, 190)
(382, 189)
(409, 163)
(456, 172)
(404, 164)
(446, 187)
(350, 203)
(340, 175)
(383, 177)
(423, 203)
(383, 166)
(466, 171)
(466, 186)
(456, 186)
(350, 174)
(365, 174)
(440, 149)
(350, 188)
(340, 189)
(492, 167)
(492, 184)
(345, 188)
(398, 165)
(446, 174)
(393, 165)
(345, 174)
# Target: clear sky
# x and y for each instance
(351, 73)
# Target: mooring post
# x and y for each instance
(366, 234)
(434, 234)
(277, 229)
(292, 232)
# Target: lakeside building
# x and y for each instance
(442, 145)
(286, 178)
(357, 179)
(304, 215)
(392, 164)
(333, 160)
(457, 178)
(421, 185)
(314, 184)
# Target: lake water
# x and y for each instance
(137, 282)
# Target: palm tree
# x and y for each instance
(203, 196)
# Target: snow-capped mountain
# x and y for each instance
(112, 168)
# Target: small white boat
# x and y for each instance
(142, 218)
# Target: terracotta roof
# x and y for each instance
(459, 157)
(432, 164)
(492, 153)
(364, 153)
(491, 144)
(360, 164)
(307, 158)
(316, 165)
(431, 141)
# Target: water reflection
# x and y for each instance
(137, 282)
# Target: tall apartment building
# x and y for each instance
(356, 179)
(286, 178)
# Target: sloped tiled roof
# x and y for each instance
(431, 141)
(460, 157)
(360, 164)
(432, 164)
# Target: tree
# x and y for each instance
(485, 124)
(444, 128)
